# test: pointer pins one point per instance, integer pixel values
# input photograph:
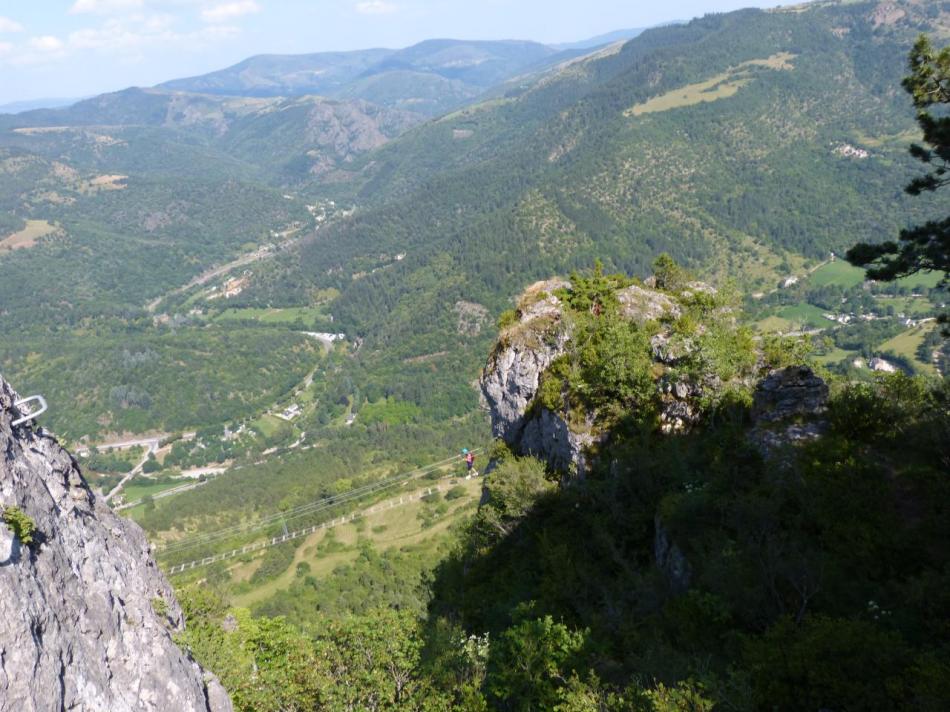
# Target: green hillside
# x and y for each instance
(723, 142)
(733, 142)
(286, 304)
(747, 144)
(723, 567)
(429, 78)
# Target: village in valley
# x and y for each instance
(859, 326)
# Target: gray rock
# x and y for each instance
(670, 559)
(510, 380)
(788, 408)
(549, 438)
(679, 409)
(78, 628)
(694, 288)
(643, 305)
(773, 440)
(788, 392)
(670, 350)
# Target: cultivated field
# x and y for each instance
(28, 236)
(722, 86)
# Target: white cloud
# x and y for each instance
(229, 10)
(128, 37)
(8, 25)
(375, 7)
(46, 43)
(103, 7)
(37, 50)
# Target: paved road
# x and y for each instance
(242, 261)
(143, 441)
(123, 445)
(205, 277)
(136, 471)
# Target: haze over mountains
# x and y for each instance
(428, 78)
(723, 141)
(259, 304)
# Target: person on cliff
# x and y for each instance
(470, 463)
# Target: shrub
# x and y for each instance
(160, 606)
(781, 351)
(507, 318)
(18, 522)
(456, 492)
(868, 410)
(669, 275)
(531, 662)
(615, 364)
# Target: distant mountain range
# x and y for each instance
(16, 107)
(428, 78)
(601, 40)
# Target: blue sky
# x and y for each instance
(71, 48)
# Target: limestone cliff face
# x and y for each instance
(511, 379)
(86, 617)
(541, 334)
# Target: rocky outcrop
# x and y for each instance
(679, 405)
(789, 392)
(549, 437)
(526, 348)
(511, 379)
(86, 617)
(642, 305)
(670, 559)
(788, 408)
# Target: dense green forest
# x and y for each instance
(809, 575)
(559, 171)
(313, 286)
(147, 189)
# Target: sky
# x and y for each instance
(77, 48)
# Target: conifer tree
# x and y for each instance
(926, 246)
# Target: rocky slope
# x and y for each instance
(87, 617)
(542, 333)
(697, 352)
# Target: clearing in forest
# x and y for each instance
(105, 182)
(28, 236)
(907, 342)
(722, 86)
(384, 528)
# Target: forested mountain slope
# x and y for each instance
(428, 78)
(735, 142)
(734, 532)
